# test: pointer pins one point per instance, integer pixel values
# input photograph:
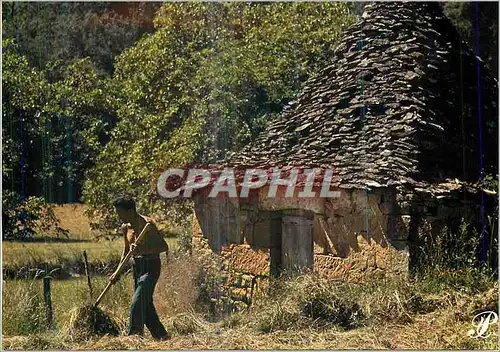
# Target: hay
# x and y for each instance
(185, 324)
(90, 320)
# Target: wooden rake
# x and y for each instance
(123, 262)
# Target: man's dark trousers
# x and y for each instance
(142, 311)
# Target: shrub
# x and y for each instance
(25, 219)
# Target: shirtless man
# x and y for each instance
(146, 268)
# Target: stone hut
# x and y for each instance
(401, 116)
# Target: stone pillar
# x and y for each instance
(297, 241)
(275, 265)
(414, 243)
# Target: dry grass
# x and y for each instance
(176, 290)
(67, 296)
(89, 320)
(73, 219)
(389, 313)
(435, 331)
(305, 313)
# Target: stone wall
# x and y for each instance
(346, 234)
(356, 213)
(372, 260)
(366, 231)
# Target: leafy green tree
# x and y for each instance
(204, 84)
(465, 16)
(49, 31)
(54, 123)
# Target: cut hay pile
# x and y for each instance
(185, 324)
(90, 320)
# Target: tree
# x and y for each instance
(481, 21)
(204, 84)
(66, 31)
(54, 123)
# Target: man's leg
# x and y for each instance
(137, 311)
(152, 320)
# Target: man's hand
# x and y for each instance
(113, 278)
(133, 246)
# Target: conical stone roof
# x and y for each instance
(398, 104)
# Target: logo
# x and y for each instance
(299, 182)
(481, 323)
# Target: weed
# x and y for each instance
(456, 247)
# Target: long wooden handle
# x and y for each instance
(122, 263)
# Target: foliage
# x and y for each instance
(55, 122)
(203, 85)
(67, 31)
(464, 16)
(24, 219)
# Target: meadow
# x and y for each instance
(66, 254)
(307, 312)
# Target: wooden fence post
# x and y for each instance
(87, 272)
(48, 299)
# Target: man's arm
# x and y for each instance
(126, 247)
(124, 228)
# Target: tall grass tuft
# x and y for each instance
(306, 301)
(457, 248)
(185, 324)
(23, 309)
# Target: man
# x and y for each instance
(146, 268)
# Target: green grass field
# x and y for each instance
(17, 255)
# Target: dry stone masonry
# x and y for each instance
(395, 115)
(397, 105)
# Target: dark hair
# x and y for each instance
(125, 203)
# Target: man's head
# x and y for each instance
(125, 207)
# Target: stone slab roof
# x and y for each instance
(398, 104)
